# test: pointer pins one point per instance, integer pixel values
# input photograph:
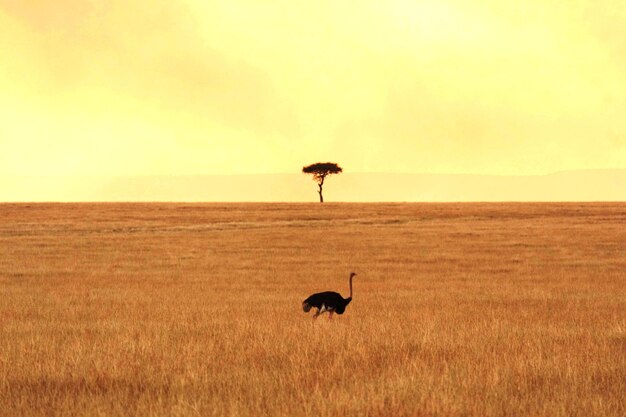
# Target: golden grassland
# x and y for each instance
(195, 310)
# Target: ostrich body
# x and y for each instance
(328, 301)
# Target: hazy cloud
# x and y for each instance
(245, 86)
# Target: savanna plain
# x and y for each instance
(195, 310)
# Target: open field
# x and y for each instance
(180, 309)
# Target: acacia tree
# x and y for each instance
(320, 170)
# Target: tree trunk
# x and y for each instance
(320, 184)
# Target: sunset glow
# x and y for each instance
(190, 87)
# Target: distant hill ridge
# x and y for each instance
(580, 185)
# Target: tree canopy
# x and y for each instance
(321, 169)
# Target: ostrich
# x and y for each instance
(328, 301)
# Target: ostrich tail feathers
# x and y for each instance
(306, 307)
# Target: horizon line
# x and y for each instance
(300, 173)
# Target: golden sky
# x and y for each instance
(187, 87)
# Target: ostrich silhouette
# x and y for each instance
(328, 301)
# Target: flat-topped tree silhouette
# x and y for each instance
(320, 170)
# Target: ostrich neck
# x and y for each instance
(351, 287)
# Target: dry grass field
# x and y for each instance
(195, 310)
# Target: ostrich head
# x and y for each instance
(352, 274)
